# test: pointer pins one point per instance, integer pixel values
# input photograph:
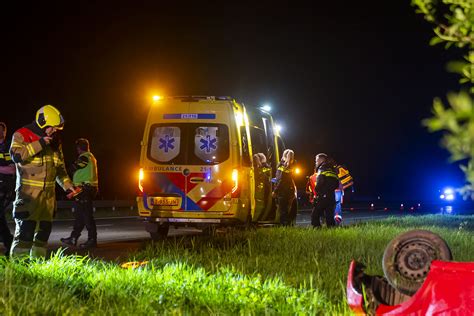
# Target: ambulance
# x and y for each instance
(197, 167)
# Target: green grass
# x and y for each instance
(267, 271)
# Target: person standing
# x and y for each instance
(284, 189)
(7, 187)
(38, 157)
(85, 177)
(327, 182)
(339, 198)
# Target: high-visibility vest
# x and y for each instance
(87, 174)
(344, 177)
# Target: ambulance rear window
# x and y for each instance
(189, 143)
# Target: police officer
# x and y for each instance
(284, 189)
(7, 187)
(36, 151)
(85, 176)
(327, 182)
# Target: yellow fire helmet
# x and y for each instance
(48, 115)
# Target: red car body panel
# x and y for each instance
(354, 298)
(447, 290)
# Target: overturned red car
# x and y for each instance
(419, 279)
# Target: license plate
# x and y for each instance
(164, 201)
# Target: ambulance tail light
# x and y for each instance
(235, 182)
(141, 177)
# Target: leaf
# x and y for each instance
(461, 103)
(433, 124)
(438, 107)
(456, 66)
(436, 40)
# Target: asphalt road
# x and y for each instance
(120, 237)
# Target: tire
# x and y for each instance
(161, 232)
(209, 230)
(407, 259)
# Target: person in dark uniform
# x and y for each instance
(85, 177)
(284, 189)
(7, 187)
(327, 182)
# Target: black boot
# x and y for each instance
(70, 241)
(90, 243)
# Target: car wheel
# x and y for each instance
(407, 259)
(160, 233)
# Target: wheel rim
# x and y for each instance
(414, 258)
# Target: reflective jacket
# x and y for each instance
(344, 176)
(85, 170)
(284, 185)
(38, 165)
(327, 181)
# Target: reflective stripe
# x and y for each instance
(347, 179)
(37, 160)
(30, 149)
(82, 164)
(284, 169)
(36, 183)
(16, 145)
(56, 160)
(330, 174)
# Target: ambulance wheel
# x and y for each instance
(249, 224)
(407, 259)
(160, 233)
(209, 230)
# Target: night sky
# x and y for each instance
(352, 80)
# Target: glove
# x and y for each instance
(74, 192)
(55, 141)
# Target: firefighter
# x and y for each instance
(284, 189)
(327, 182)
(85, 177)
(7, 187)
(37, 154)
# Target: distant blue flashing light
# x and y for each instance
(449, 197)
(448, 191)
(448, 194)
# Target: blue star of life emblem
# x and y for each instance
(167, 143)
(208, 144)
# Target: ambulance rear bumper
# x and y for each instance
(191, 220)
